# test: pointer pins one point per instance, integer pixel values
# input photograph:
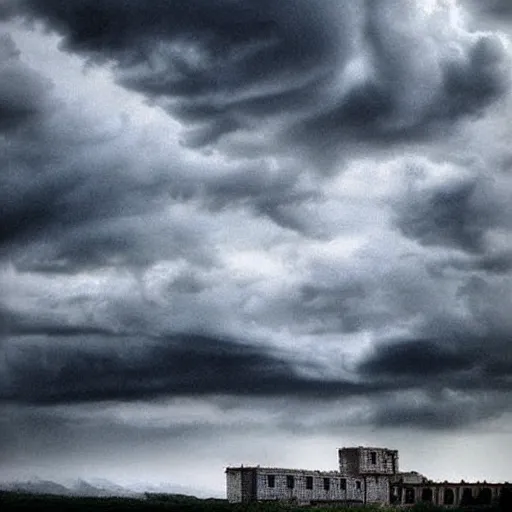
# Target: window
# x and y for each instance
(449, 497)
(427, 494)
(373, 457)
(327, 484)
(290, 481)
(358, 485)
(485, 496)
(271, 480)
(467, 497)
(309, 482)
(343, 484)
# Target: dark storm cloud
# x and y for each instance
(74, 196)
(52, 430)
(58, 216)
(202, 52)
(498, 263)
(439, 410)
(420, 357)
(393, 105)
(453, 371)
(328, 71)
(494, 262)
(456, 212)
(462, 361)
(73, 200)
(65, 220)
(12, 323)
(446, 216)
(279, 196)
(23, 93)
(439, 382)
(339, 305)
(444, 383)
(88, 368)
(67, 203)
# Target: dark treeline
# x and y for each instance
(11, 501)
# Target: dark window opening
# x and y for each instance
(271, 480)
(467, 497)
(485, 496)
(343, 484)
(358, 485)
(409, 496)
(373, 456)
(396, 495)
(505, 498)
(426, 495)
(309, 482)
(449, 497)
(327, 484)
(290, 481)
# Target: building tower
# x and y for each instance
(374, 465)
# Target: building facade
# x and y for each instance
(366, 475)
(246, 484)
(448, 494)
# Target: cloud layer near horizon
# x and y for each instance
(257, 199)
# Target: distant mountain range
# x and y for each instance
(77, 488)
(100, 488)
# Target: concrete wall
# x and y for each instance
(340, 488)
(240, 484)
(378, 461)
(448, 494)
(409, 477)
(348, 460)
(368, 461)
(234, 485)
(248, 485)
(377, 489)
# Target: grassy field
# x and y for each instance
(177, 503)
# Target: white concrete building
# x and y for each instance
(300, 485)
(365, 476)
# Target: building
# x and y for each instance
(246, 484)
(366, 475)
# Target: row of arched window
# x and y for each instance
(484, 497)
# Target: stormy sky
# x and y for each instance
(254, 232)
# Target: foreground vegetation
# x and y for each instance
(179, 503)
